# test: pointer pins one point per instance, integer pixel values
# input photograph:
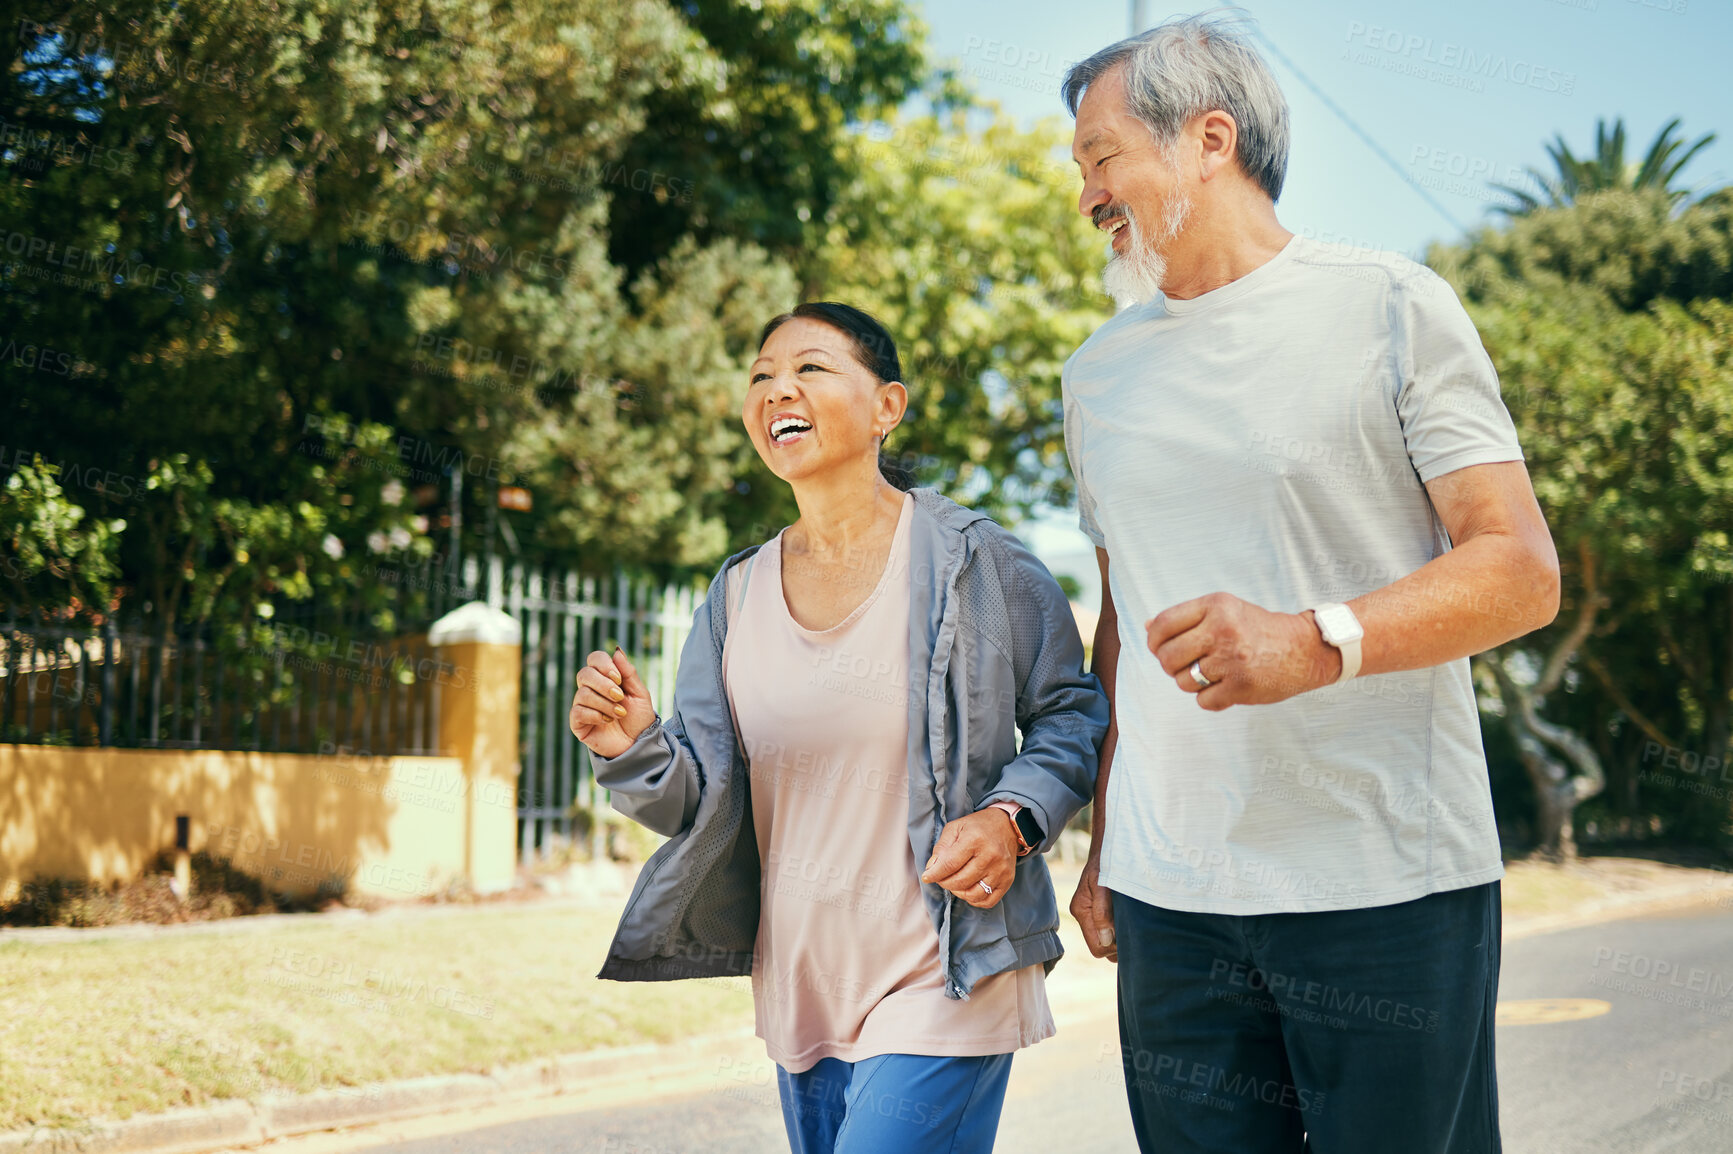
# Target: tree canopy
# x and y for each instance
(297, 286)
(1611, 324)
(1607, 170)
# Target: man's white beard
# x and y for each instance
(1136, 274)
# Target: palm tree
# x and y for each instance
(1608, 169)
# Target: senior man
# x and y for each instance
(1309, 507)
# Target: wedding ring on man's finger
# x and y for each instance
(986, 888)
(1197, 675)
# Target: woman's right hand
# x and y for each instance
(612, 706)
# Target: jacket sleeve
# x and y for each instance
(658, 780)
(1061, 709)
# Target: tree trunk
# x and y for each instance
(1556, 789)
(1718, 728)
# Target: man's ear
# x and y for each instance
(1218, 138)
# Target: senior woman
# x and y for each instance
(852, 819)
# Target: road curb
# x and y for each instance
(226, 1124)
(324, 1109)
(1683, 896)
(184, 1131)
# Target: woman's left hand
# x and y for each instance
(981, 847)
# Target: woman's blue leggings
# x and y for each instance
(895, 1104)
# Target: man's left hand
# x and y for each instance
(1249, 655)
(981, 846)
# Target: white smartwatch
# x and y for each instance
(1342, 629)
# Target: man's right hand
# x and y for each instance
(611, 706)
(1092, 906)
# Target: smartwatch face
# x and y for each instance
(1028, 828)
(1339, 624)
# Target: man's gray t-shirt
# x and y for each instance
(1270, 439)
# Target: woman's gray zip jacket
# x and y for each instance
(992, 646)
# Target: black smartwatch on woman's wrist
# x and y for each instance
(1029, 834)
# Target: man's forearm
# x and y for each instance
(1499, 581)
(1479, 595)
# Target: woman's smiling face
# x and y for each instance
(811, 406)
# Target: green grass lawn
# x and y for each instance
(112, 1027)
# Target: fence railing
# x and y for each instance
(564, 618)
(136, 688)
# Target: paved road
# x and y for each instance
(1651, 1075)
(1654, 1075)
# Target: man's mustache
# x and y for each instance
(1108, 212)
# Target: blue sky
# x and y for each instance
(1456, 94)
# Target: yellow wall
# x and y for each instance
(478, 722)
(396, 827)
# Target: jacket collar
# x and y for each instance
(945, 511)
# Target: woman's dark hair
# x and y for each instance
(873, 348)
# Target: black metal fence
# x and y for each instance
(290, 690)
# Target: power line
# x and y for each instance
(1365, 136)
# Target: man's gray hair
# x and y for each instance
(1187, 67)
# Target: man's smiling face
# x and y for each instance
(1132, 190)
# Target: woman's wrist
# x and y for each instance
(632, 742)
(1019, 844)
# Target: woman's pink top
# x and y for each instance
(847, 962)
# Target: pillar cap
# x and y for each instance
(476, 621)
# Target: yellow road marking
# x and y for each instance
(1540, 1011)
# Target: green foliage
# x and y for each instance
(1628, 247)
(1608, 169)
(309, 191)
(56, 558)
(762, 146)
(1611, 324)
(269, 258)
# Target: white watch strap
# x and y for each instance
(1350, 660)
(1350, 650)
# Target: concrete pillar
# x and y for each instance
(482, 652)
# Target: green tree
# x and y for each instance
(308, 191)
(1616, 359)
(763, 150)
(57, 558)
(1607, 169)
(286, 254)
